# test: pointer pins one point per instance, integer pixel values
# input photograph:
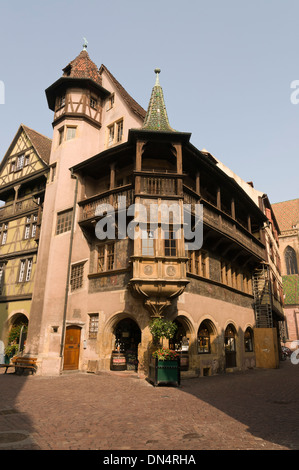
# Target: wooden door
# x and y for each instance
(72, 348)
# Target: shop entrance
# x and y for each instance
(127, 337)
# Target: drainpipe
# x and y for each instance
(69, 267)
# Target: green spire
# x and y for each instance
(156, 118)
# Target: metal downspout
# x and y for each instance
(68, 268)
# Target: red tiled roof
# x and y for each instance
(41, 143)
(83, 67)
(135, 107)
(287, 214)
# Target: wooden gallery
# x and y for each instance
(88, 300)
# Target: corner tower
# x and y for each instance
(77, 99)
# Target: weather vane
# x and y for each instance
(85, 43)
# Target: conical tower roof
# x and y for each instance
(81, 72)
(83, 67)
(156, 118)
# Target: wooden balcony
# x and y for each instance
(89, 206)
(223, 223)
(18, 207)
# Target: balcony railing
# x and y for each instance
(224, 223)
(89, 208)
(155, 185)
(18, 207)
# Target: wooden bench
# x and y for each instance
(21, 364)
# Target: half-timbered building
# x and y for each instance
(23, 175)
(97, 287)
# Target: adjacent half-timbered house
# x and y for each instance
(23, 176)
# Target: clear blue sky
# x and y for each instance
(226, 69)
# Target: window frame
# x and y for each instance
(30, 227)
(64, 226)
(25, 270)
(115, 132)
(71, 137)
(77, 278)
(93, 328)
(105, 257)
(205, 337)
(170, 242)
(248, 340)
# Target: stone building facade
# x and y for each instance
(97, 287)
(287, 214)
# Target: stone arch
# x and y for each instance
(16, 318)
(185, 329)
(290, 259)
(230, 344)
(248, 338)
(109, 338)
(207, 335)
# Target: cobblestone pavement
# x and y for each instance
(256, 409)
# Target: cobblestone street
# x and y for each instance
(257, 410)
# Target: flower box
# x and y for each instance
(166, 372)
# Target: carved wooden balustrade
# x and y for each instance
(222, 222)
(89, 207)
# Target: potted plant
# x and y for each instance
(165, 364)
(14, 345)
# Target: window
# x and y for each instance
(61, 101)
(147, 243)
(106, 257)
(29, 269)
(110, 135)
(64, 221)
(198, 263)
(25, 270)
(291, 260)
(3, 233)
(20, 162)
(110, 256)
(93, 325)
(13, 166)
(77, 276)
(115, 132)
(60, 135)
(120, 128)
(2, 265)
(110, 103)
(170, 246)
(248, 340)
(30, 227)
(70, 133)
(93, 103)
(53, 172)
(203, 339)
